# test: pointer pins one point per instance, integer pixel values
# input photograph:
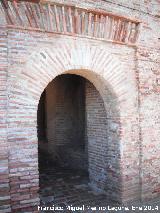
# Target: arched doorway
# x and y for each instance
(109, 78)
(78, 150)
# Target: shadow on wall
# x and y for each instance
(103, 129)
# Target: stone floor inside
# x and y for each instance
(67, 188)
(64, 190)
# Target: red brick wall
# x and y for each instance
(140, 78)
(24, 96)
(4, 170)
(103, 146)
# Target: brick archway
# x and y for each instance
(105, 70)
(109, 77)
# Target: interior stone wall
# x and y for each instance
(103, 146)
(96, 118)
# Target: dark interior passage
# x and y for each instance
(41, 119)
(74, 149)
(61, 122)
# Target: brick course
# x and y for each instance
(126, 77)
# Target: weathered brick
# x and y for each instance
(126, 76)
